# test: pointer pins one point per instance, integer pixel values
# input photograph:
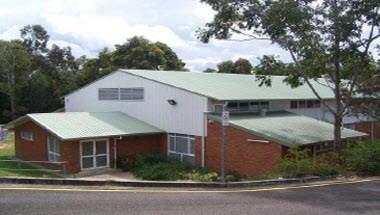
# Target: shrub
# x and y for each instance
(364, 158)
(296, 163)
(158, 167)
(197, 175)
(328, 164)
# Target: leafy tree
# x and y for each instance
(226, 67)
(210, 70)
(242, 66)
(136, 53)
(95, 68)
(35, 38)
(54, 72)
(14, 71)
(140, 53)
(326, 39)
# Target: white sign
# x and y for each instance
(225, 118)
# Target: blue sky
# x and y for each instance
(90, 25)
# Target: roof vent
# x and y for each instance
(263, 112)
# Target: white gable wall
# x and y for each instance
(185, 118)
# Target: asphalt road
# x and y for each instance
(360, 198)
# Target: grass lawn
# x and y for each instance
(7, 152)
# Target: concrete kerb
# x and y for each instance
(158, 184)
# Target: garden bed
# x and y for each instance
(157, 167)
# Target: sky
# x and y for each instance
(87, 26)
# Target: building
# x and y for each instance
(129, 113)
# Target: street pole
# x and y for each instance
(225, 119)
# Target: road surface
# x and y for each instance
(358, 198)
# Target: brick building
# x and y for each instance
(137, 112)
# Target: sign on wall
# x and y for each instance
(225, 118)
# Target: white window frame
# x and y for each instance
(189, 139)
(56, 155)
(94, 155)
(28, 137)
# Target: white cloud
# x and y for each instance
(203, 12)
(11, 33)
(75, 48)
(89, 25)
(95, 31)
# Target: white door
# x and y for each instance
(94, 154)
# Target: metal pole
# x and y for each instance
(223, 146)
(64, 169)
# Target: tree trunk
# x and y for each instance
(337, 133)
(12, 94)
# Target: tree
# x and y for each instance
(35, 38)
(326, 39)
(136, 53)
(242, 66)
(210, 70)
(53, 72)
(95, 68)
(140, 53)
(226, 67)
(14, 70)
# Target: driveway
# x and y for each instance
(359, 198)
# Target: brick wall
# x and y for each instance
(70, 153)
(242, 157)
(366, 128)
(31, 150)
(37, 150)
(133, 146)
(198, 151)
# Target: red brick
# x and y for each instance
(366, 128)
(242, 157)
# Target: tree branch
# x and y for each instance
(252, 37)
(308, 82)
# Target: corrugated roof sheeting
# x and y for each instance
(80, 125)
(227, 87)
(288, 128)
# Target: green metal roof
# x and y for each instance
(80, 125)
(227, 87)
(288, 128)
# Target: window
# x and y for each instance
(317, 104)
(243, 106)
(247, 106)
(122, 94)
(108, 93)
(94, 154)
(294, 104)
(131, 93)
(181, 147)
(53, 149)
(233, 106)
(264, 105)
(254, 106)
(26, 135)
(299, 104)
